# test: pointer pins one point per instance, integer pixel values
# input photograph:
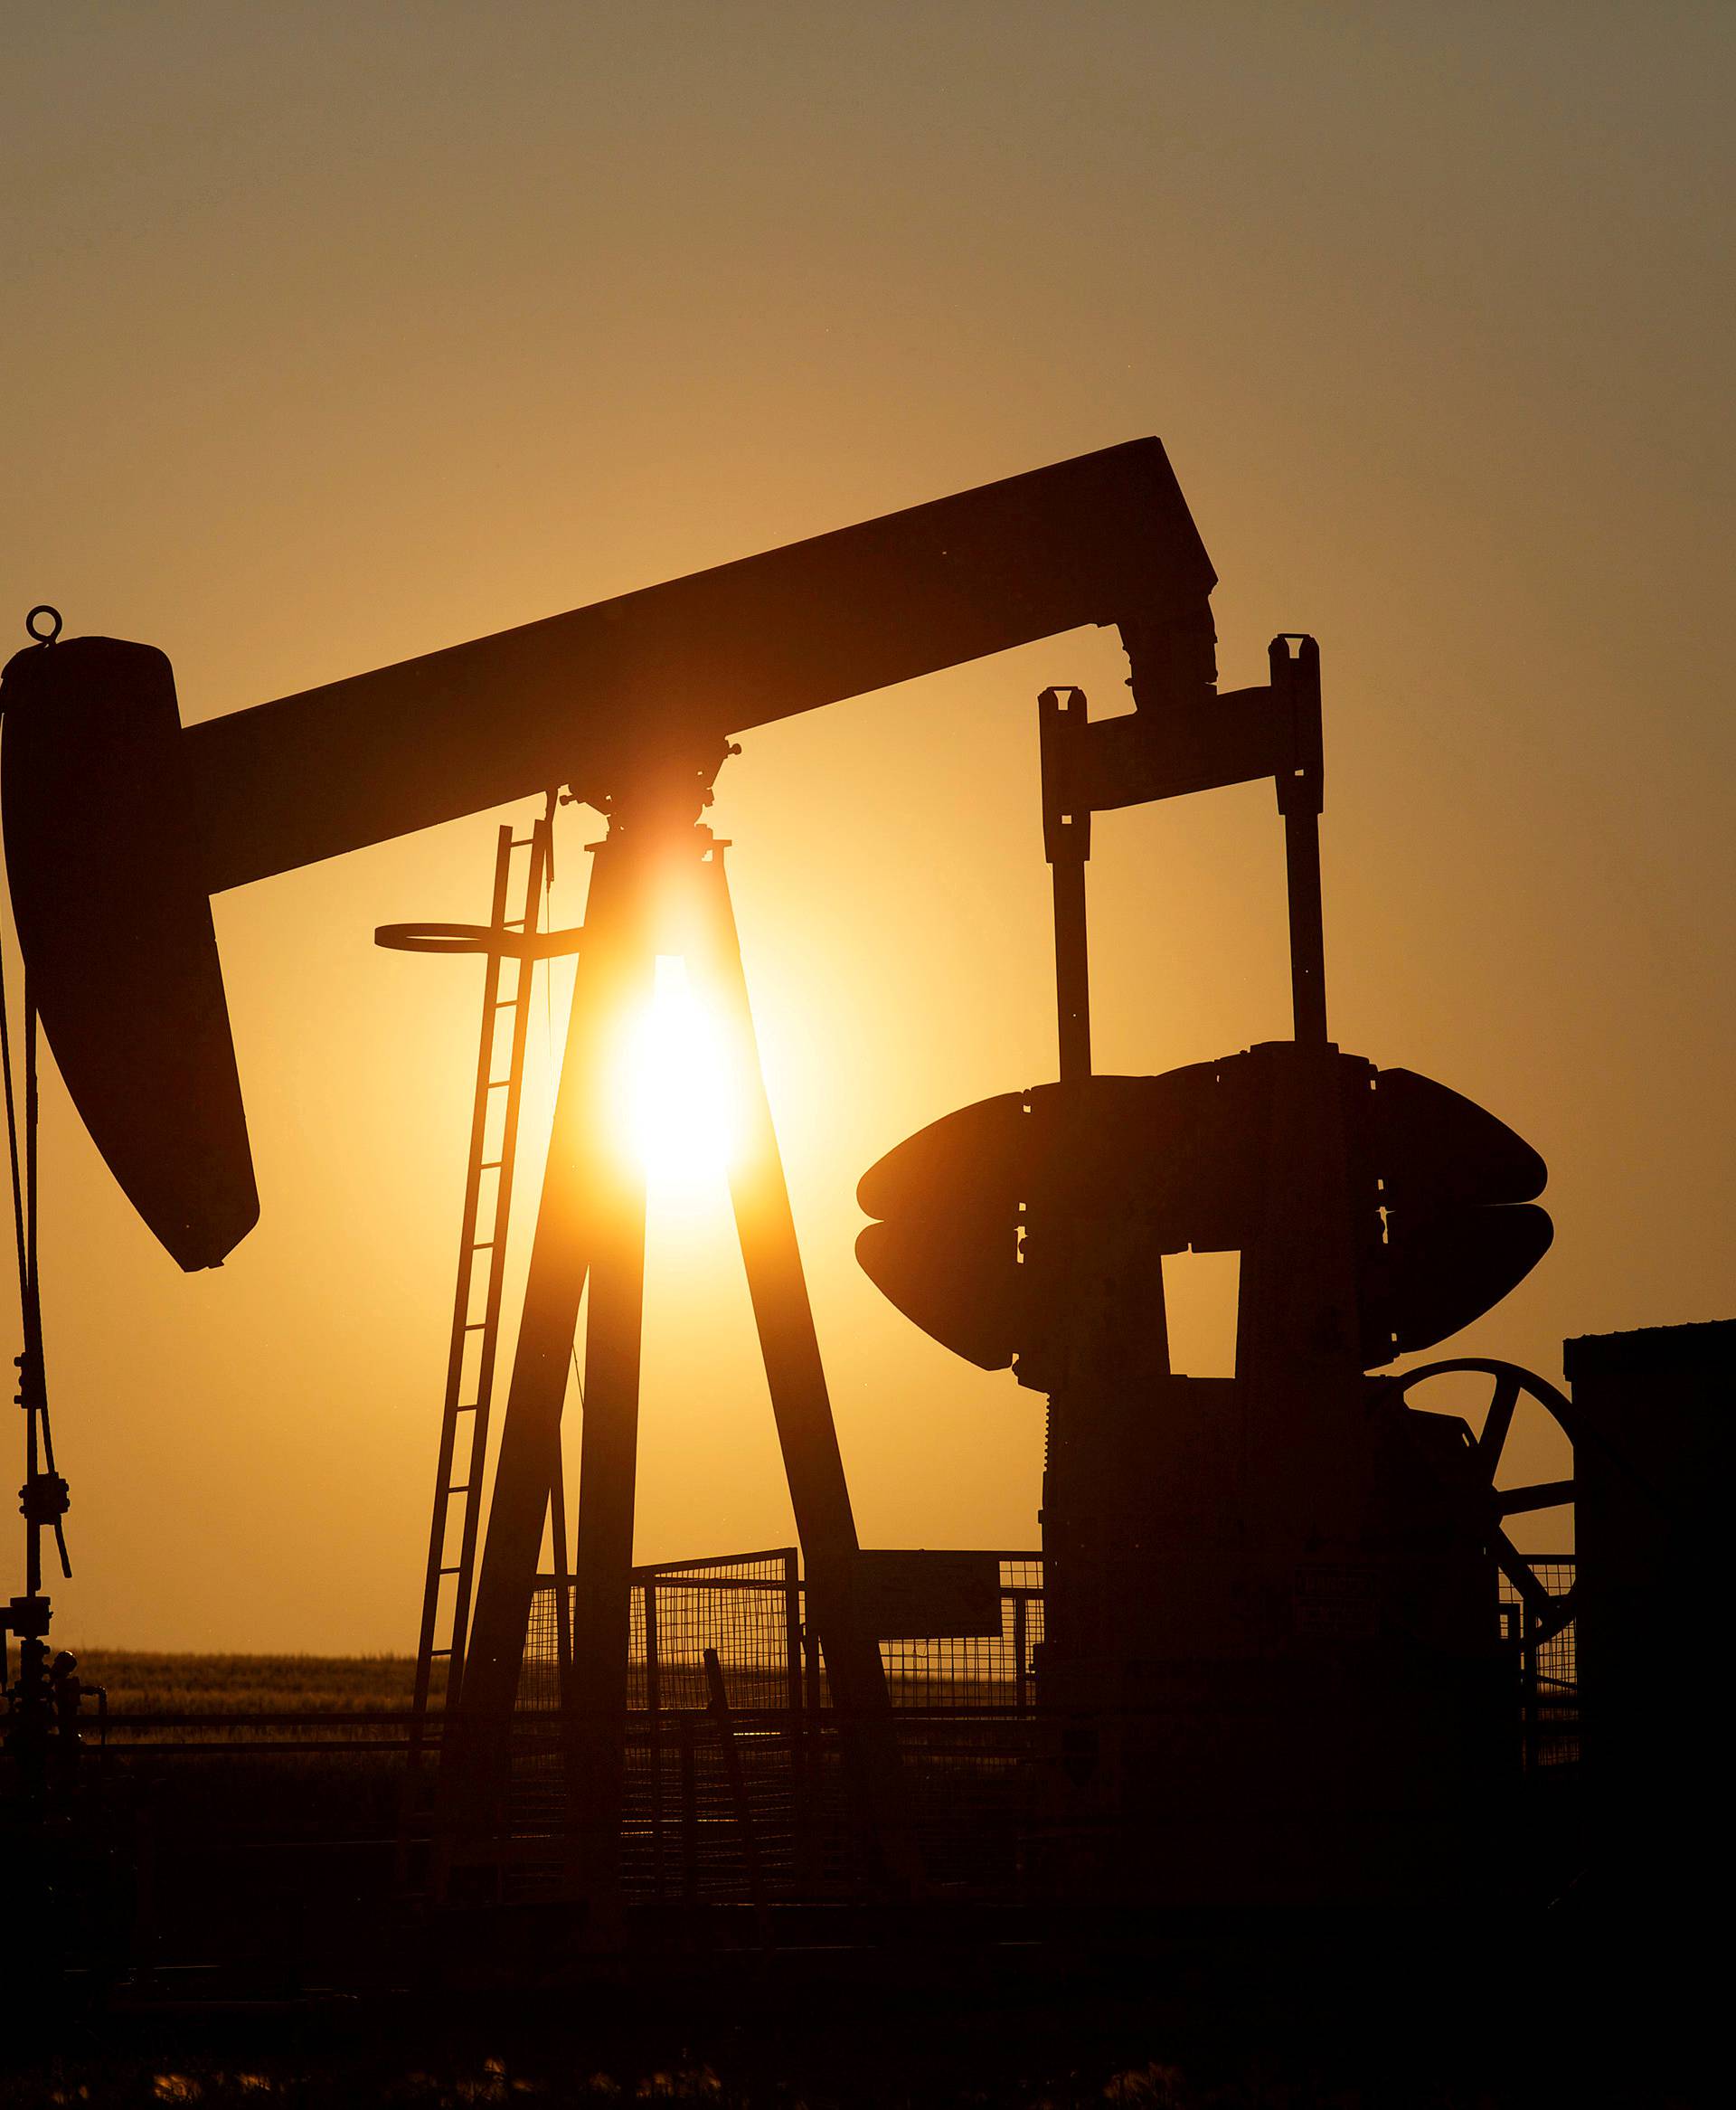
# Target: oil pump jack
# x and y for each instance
(633, 703)
(1270, 1662)
(120, 823)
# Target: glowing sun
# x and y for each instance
(681, 1113)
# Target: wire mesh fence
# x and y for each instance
(746, 1783)
(1549, 1669)
(765, 1776)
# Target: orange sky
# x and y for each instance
(335, 336)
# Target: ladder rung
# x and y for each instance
(491, 1165)
(440, 1652)
(452, 1571)
(498, 1084)
(482, 1245)
(466, 1406)
(506, 1004)
(459, 1486)
(522, 842)
(475, 1325)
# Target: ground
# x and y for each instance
(252, 1849)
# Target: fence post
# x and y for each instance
(689, 1809)
(811, 1644)
(654, 1730)
(1021, 1697)
(737, 1778)
(811, 1750)
(793, 1641)
(1528, 1689)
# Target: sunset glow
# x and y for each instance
(355, 335)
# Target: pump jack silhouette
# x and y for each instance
(633, 703)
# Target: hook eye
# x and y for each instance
(43, 623)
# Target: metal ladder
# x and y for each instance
(476, 1322)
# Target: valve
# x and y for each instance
(44, 1499)
(26, 1617)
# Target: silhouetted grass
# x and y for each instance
(146, 1682)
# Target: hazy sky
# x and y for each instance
(335, 334)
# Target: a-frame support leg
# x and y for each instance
(800, 1404)
(592, 1218)
(607, 1477)
(470, 1806)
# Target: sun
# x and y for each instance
(682, 1120)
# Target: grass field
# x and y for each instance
(144, 1682)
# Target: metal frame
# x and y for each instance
(657, 886)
